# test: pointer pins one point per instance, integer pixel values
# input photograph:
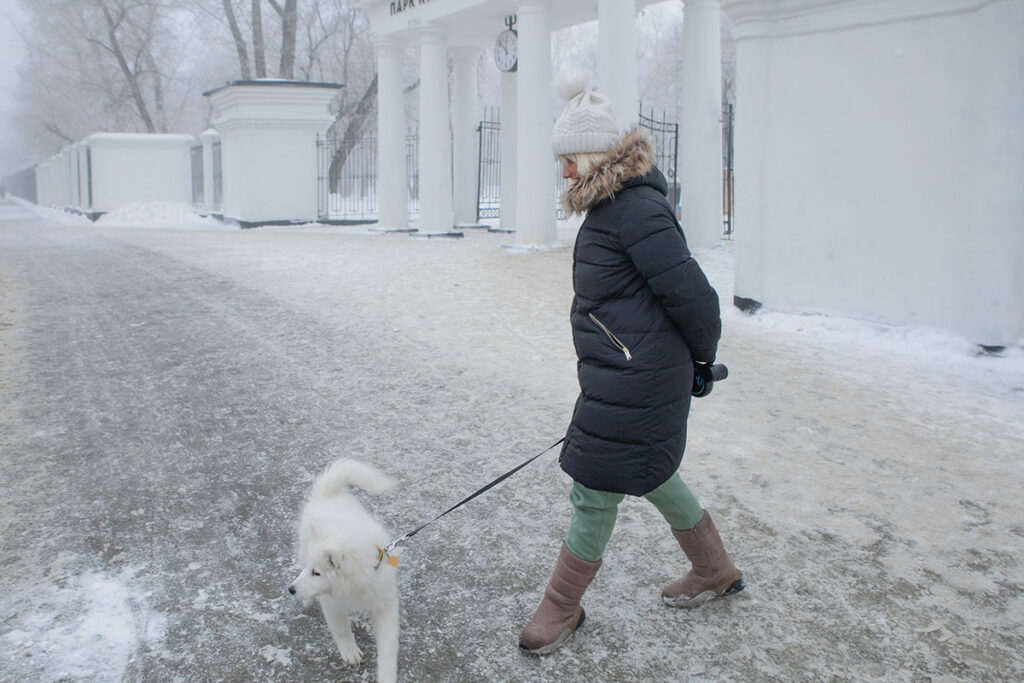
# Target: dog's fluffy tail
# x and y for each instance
(347, 472)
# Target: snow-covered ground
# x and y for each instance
(866, 478)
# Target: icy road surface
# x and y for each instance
(168, 395)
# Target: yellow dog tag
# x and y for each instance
(392, 560)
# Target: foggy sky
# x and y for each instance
(10, 56)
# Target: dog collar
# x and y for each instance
(383, 553)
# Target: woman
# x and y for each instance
(642, 314)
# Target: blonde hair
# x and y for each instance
(585, 163)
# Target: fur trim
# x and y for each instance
(632, 156)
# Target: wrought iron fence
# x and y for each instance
(350, 192)
(412, 172)
(666, 149)
(728, 180)
(488, 187)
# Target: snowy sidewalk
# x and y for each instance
(866, 479)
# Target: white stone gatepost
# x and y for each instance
(435, 151)
(535, 167)
(700, 131)
(465, 119)
(392, 188)
(208, 138)
(268, 132)
(508, 152)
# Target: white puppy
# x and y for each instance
(343, 566)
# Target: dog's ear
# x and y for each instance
(333, 559)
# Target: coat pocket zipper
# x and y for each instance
(611, 337)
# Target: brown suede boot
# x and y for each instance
(713, 573)
(559, 613)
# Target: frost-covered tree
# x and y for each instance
(100, 65)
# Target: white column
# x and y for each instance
(535, 170)
(616, 58)
(392, 190)
(508, 151)
(465, 120)
(435, 134)
(700, 153)
(208, 137)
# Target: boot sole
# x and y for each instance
(699, 599)
(558, 642)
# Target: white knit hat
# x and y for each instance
(587, 124)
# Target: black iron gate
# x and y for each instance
(488, 187)
(666, 150)
(728, 182)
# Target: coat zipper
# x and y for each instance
(614, 340)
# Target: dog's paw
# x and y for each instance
(351, 654)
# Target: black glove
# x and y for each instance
(704, 377)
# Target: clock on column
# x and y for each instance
(506, 55)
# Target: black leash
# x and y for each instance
(390, 546)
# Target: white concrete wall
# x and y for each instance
(880, 161)
(124, 167)
(139, 167)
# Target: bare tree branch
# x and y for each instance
(55, 129)
(236, 34)
(130, 76)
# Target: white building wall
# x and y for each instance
(880, 161)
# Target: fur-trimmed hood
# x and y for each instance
(632, 157)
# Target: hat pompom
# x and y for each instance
(587, 124)
(571, 84)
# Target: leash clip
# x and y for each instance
(385, 552)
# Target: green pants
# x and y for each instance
(594, 514)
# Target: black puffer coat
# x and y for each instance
(642, 310)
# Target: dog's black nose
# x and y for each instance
(291, 589)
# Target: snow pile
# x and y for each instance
(163, 214)
(82, 627)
